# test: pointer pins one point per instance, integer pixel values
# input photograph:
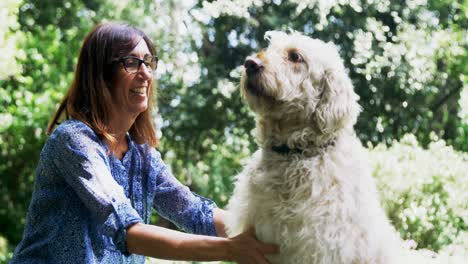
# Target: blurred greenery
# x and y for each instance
(424, 191)
(407, 61)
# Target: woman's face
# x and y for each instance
(131, 90)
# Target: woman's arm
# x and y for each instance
(164, 243)
(176, 202)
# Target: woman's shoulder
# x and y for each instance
(73, 127)
(73, 130)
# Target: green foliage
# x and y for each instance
(9, 36)
(5, 252)
(429, 202)
(424, 191)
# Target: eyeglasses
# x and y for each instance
(132, 64)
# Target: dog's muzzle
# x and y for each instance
(253, 69)
(253, 66)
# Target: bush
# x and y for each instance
(5, 252)
(424, 191)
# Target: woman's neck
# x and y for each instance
(119, 126)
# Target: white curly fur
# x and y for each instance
(321, 205)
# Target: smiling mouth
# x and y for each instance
(140, 90)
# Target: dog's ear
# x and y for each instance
(337, 106)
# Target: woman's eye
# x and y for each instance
(295, 57)
(131, 62)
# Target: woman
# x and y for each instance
(99, 176)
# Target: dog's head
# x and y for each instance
(300, 78)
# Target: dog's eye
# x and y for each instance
(295, 57)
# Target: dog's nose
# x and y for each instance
(253, 65)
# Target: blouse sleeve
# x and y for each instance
(175, 202)
(83, 163)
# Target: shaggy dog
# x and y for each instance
(309, 187)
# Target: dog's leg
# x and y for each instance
(238, 207)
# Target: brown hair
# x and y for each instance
(89, 98)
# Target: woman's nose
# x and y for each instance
(145, 71)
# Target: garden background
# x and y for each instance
(407, 60)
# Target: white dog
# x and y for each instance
(309, 187)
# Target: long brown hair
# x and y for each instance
(89, 98)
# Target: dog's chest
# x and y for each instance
(292, 182)
(287, 188)
(306, 205)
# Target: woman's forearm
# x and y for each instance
(164, 243)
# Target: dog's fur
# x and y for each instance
(309, 187)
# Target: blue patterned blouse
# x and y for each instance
(84, 200)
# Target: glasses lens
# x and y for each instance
(131, 64)
(151, 62)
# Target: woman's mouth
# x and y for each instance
(139, 90)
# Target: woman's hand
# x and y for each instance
(246, 249)
(159, 242)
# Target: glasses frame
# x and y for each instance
(140, 61)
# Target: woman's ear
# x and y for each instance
(337, 106)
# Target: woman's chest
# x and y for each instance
(132, 175)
